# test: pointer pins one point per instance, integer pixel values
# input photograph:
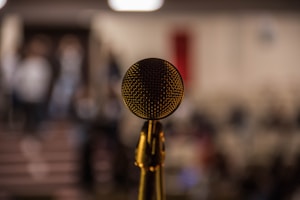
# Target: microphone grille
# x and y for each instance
(152, 88)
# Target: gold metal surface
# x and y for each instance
(150, 156)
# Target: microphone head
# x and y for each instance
(152, 88)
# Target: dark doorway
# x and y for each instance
(55, 34)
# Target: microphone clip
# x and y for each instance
(150, 151)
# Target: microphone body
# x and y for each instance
(152, 89)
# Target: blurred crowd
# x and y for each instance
(39, 87)
(242, 156)
(37, 84)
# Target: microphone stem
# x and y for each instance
(160, 193)
(150, 154)
(146, 187)
(151, 182)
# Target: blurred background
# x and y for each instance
(66, 135)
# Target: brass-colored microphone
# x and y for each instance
(152, 89)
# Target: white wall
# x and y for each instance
(229, 51)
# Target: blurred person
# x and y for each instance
(206, 152)
(111, 114)
(95, 147)
(279, 175)
(11, 36)
(296, 119)
(84, 105)
(275, 116)
(204, 131)
(85, 111)
(182, 174)
(295, 180)
(9, 64)
(251, 182)
(32, 82)
(223, 184)
(70, 61)
(113, 71)
(238, 117)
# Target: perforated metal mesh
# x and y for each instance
(152, 88)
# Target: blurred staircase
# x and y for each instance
(40, 168)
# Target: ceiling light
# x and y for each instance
(2, 3)
(135, 5)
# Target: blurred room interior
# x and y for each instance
(65, 133)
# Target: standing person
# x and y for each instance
(70, 60)
(85, 110)
(8, 66)
(32, 82)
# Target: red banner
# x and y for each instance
(181, 46)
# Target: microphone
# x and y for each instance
(152, 89)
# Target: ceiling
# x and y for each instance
(80, 11)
